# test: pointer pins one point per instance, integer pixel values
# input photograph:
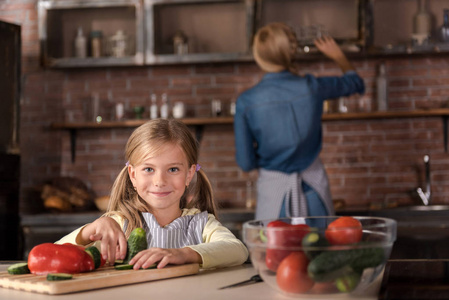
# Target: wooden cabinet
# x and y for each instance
(344, 20)
(213, 30)
(394, 25)
(59, 22)
(222, 30)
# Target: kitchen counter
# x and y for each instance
(200, 286)
(403, 279)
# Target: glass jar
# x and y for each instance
(118, 44)
(180, 45)
(96, 37)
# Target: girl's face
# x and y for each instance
(161, 180)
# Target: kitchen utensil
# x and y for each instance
(100, 278)
(254, 279)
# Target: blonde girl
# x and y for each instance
(163, 189)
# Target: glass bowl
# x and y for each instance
(321, 257)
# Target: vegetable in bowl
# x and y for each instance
(324, 256)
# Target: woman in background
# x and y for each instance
(278, 125)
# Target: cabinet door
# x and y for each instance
(59, 22)
(341, 19)
(396, 25)
(217, 30)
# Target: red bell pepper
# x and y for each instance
(282, 238)
(52, 258)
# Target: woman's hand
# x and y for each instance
(330, 48)
(108, 231)
(146, 258)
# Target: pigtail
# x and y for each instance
(201, 194)
(125, 202)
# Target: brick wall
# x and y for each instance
(369, 161)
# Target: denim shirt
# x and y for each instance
(277, 123)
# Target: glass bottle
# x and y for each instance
(96, 117)
(80, 44)
(178, 110)
(443, 31)
(180, 43)
(164, 106)
(422, 24)
(119, 111)
(381, 86)
(153, 107)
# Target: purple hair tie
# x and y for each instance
(127, 163)
(198, 167)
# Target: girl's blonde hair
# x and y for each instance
(147, 140)
(276, 44)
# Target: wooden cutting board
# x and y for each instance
(100, 278)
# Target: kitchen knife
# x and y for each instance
(253, 279)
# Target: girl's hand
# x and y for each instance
(146, 258)
(108, 231)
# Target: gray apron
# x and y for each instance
(275, 186)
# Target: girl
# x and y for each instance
(277, 125)
(163, 190)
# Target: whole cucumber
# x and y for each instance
(313, 243)
(137, 242)
(330, 265)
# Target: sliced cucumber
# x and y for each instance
(59, 276)
(153, 266)
(95, 254)
(129, 267)
(19, 268)
(123, 267)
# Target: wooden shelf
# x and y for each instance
(230, 120)
(387, 114)
(136, 123)
(199, 123)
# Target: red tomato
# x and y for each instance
(291, 275)
(343, 231)
(277, 239)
